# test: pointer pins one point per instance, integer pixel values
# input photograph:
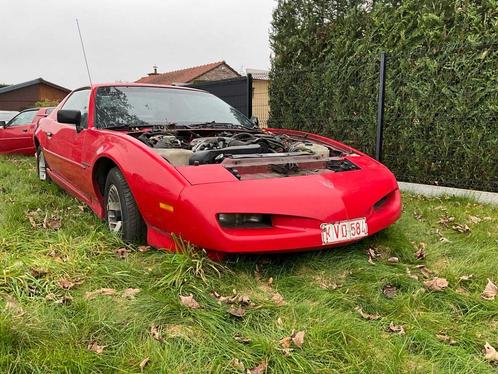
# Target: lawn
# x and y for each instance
(76, 299)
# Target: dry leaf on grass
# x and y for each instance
(425, 272)
(237, 312)
(298, 338)
(122, 253)
(280, 322)
(465, 278)
(53, 222)
(490, 291)
(189, 302)
(242, 339)
(371, 317)
(445, 339)
(325, 283)
(285, 342)
(420, 254)
(490, 353)
(130, 293)
(372, 255)
(67, 284)
(144, 248)
(461, 228)
(260, 369)
(237, 364)
(90, 295)
(143, 363)
(278, 299)
(436, 284)
(396, 329)
(155, 332)
(94, 347)
(37, 272)
(389, 291)
(446, 220)
(474, 219)
(393, 260)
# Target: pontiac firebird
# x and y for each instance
(157, 162)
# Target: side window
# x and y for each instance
(79, 101)
(24, 118)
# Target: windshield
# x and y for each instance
(146, 106)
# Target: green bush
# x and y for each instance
(442, 82)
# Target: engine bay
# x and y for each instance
(252, 152)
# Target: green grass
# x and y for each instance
(38, 335)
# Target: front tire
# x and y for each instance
(121, 211)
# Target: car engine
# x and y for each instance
(255, 153)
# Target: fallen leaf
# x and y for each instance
(286, 342)
(490, 291)
(242, 339)
(122, 253)
(446, 220)
(280, 322)
(474, 219)
(490, 353)
(436, 284)
(100, 292)
(278, 299)
(237, 312)
(81, 208)
(130, 293)
(392, 328)
(420, 255)
(260, 369)
(143, 363)
(144, 248)
(371, 255)
(155, 332)
(237, 364)
(418, 216)
(465, 278)
(189, 302)
(53, 222)
(445, 339)
(94, 347)
(425, 272)
(461, 228)
(371, 317)
(389, 291)
(67, 284)
(37, 272)
(393, 260)
(269, 282)
(298, 338)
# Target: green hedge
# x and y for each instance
(442, 82)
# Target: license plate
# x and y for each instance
(343, 231)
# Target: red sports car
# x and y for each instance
(16, 135)
(158, 161)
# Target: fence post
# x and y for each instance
(249, 95)
(380, 108)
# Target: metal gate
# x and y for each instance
(236, 92)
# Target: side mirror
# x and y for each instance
(72, 117)
(255, 121)
(3, 124)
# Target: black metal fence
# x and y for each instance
(438, 108)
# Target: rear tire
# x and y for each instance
(121, 211)
(41, 165)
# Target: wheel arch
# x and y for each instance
(101, 169)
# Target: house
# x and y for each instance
(260, 95)
(25, 95)
(209, 72)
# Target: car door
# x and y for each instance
(17, 135)
(65, 145)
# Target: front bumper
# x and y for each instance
(298, 205)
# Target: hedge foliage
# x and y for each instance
(442, 82)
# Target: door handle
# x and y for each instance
(25, 130)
